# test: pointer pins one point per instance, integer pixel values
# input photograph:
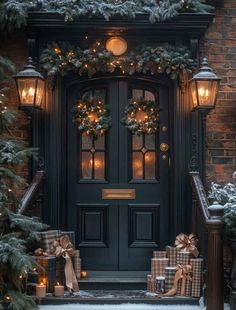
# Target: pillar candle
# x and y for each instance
(40, 290)
(59, 290)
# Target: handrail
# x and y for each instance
(32, 192)
(212, 220)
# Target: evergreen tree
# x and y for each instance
(16, 230)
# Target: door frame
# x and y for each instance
(55, 212)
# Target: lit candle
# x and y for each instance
(84, 274)
(58, 290)
(40, 290)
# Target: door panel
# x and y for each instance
(118, 234)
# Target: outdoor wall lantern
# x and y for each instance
(116, 45)
(30, 86)
(204, 88)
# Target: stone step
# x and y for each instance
(114, 280)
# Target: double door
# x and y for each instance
(118, 184)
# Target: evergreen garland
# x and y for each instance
(92, 117)
(13, 13)
(61, 58)
(141, 116)
(16, 231)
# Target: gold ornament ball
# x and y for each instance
(141, 116)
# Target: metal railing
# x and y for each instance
(33, 194)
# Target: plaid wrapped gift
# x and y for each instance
(151, 284)
(172, 255)
(170, 276)
(197, 266)
(158, 266)
(77, 264)
(183, 258)
(48, 274)
(188, 287)
(159, 254)
(47, 237)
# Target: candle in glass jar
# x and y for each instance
(40, 290)
(84, 274)
(59, 290)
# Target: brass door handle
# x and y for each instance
(164, 147)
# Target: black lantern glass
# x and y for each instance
(30, 86)
(204, 87)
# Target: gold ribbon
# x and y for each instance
(187, 243)
(64, 248)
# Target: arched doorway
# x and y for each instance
(118, 230)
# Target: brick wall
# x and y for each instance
(219, 45)
(15, 48)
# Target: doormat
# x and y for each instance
(123, 307)
(120, 307)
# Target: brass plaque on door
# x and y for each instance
(118, 193)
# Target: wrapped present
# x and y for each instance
(172, 255)
(48, 273)
(183, 258)
(77, 264)
(47, 238)
(197, 267)
(158, 266)
(159, 254)
(151, 284)
(169, 276)
(63, 249)
(188, 286)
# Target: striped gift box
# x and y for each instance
(159, 254)
(158, 266)
(183, 258)
(172, 255)
(47, 238)
(151, 284)
(77, 264)
(197, 267)
(170, 276)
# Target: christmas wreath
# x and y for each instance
(141, 116)
(91, 116)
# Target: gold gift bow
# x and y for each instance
(187, 243)
(182, 273)
(64, 248)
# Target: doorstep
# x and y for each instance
(116, 297)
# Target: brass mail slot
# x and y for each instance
(118, 193)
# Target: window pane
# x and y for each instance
(99, 165)
(99, 143)
(137, 165)
(137, 93)
(87, 165)
(150, 164)
(137, 142)
(150, 142)
(86, 142)
(149, 96)
(87, 95)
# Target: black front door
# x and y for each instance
(118, 230)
